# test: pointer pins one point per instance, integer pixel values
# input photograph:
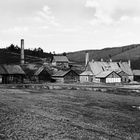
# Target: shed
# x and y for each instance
(11, 74)
(109, 77)
(86, 76)
(67, 76)
(43, 74)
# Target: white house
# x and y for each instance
(97, 67)
(108, 77)
(86, 76)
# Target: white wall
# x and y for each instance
(113, 80)
(0, 79)
(84, 79)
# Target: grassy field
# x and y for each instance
(27, 114)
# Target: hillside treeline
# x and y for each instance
(37, 52)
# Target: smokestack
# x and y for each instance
(87, 58)
(22, 52)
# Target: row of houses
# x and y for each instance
(62, 70)
(32, 74)
(107, 72)
(95, 71)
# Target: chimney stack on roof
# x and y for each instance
(129, 63)
(110, 60)
(86, 58)
(102, 60)
(22, 52)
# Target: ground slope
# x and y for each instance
(7, 57)
(67, 115)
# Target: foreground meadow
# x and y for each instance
(27, 114)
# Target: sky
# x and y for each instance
(69, 25)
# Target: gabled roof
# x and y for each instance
(125, 67)
(104, 74)
(60, 59)
(11, 69)
(118, 71)
(97, 67)
(38, 71)
(86, 73)
(136, 72)
(62, 73)
(121, 72)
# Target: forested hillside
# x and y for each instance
(124, 53)
(11, 55)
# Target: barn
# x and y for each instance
(43, 74)
(86, 76)
(108, 77)
(11, 74)
(68, 76)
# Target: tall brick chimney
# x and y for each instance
(22, 52)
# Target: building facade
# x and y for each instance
(61, 61)
(122, 68)
(11, 74)
(86, 76)
(108, 77)
(68, 76)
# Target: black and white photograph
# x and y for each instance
(70, 70)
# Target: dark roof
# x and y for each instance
(11, 69)
(29, 69)
(38, 71)
(62, 73)
(60, 59)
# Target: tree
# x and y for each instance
(13, 48)
(64, 53)
(40, 50)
